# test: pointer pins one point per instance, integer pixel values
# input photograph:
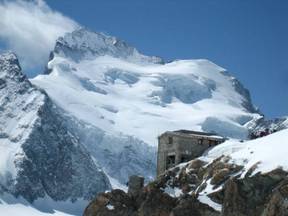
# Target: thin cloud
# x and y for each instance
(30, 28)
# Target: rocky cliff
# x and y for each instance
(40, 155)
(201, 189)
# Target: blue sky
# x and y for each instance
(247, 37)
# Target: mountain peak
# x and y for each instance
(9, 60)
(85, 44)
(10, 68)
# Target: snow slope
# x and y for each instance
(268, 152)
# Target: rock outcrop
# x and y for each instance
(201, 189)
(150, 202)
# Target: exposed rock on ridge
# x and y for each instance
(201, 189)
(84, 44)
(39, 155)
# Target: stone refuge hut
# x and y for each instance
(175, 147)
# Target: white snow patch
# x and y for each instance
(268, 151)
(116, 184)
(173, 192)
(203, 195)
(110, 207)
(206, 200)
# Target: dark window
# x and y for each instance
(170, 140)
(212, 142)
(170, 161)
(185, 158)
(200, 141)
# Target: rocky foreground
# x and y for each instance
(199, 188)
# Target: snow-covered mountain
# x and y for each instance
(93, 118)
(108, 84)
(128, 99)
(39, 155)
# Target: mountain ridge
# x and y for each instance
(84, 44)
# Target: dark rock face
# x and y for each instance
(220, 182)
(276, 124)
(85, 44)
(256, 195)
(150, 202)
(55, 163)
(233, 203)
(247, 102)
(120, 202)
(46, 157)
(278, 204)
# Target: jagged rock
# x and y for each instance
(233, 204)
(193, 207)
(149, 203)
(262, 124)
(196, 164)
(42, 156)
(116, 203)
(220, 176)
(278, 204)
(85, 44)
(249, 196)
(220, 190)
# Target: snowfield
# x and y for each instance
(268, 152)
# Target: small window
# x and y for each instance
(211, 143)
(185, 158)
(170, 140)
(200, 141)
(170, 161)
